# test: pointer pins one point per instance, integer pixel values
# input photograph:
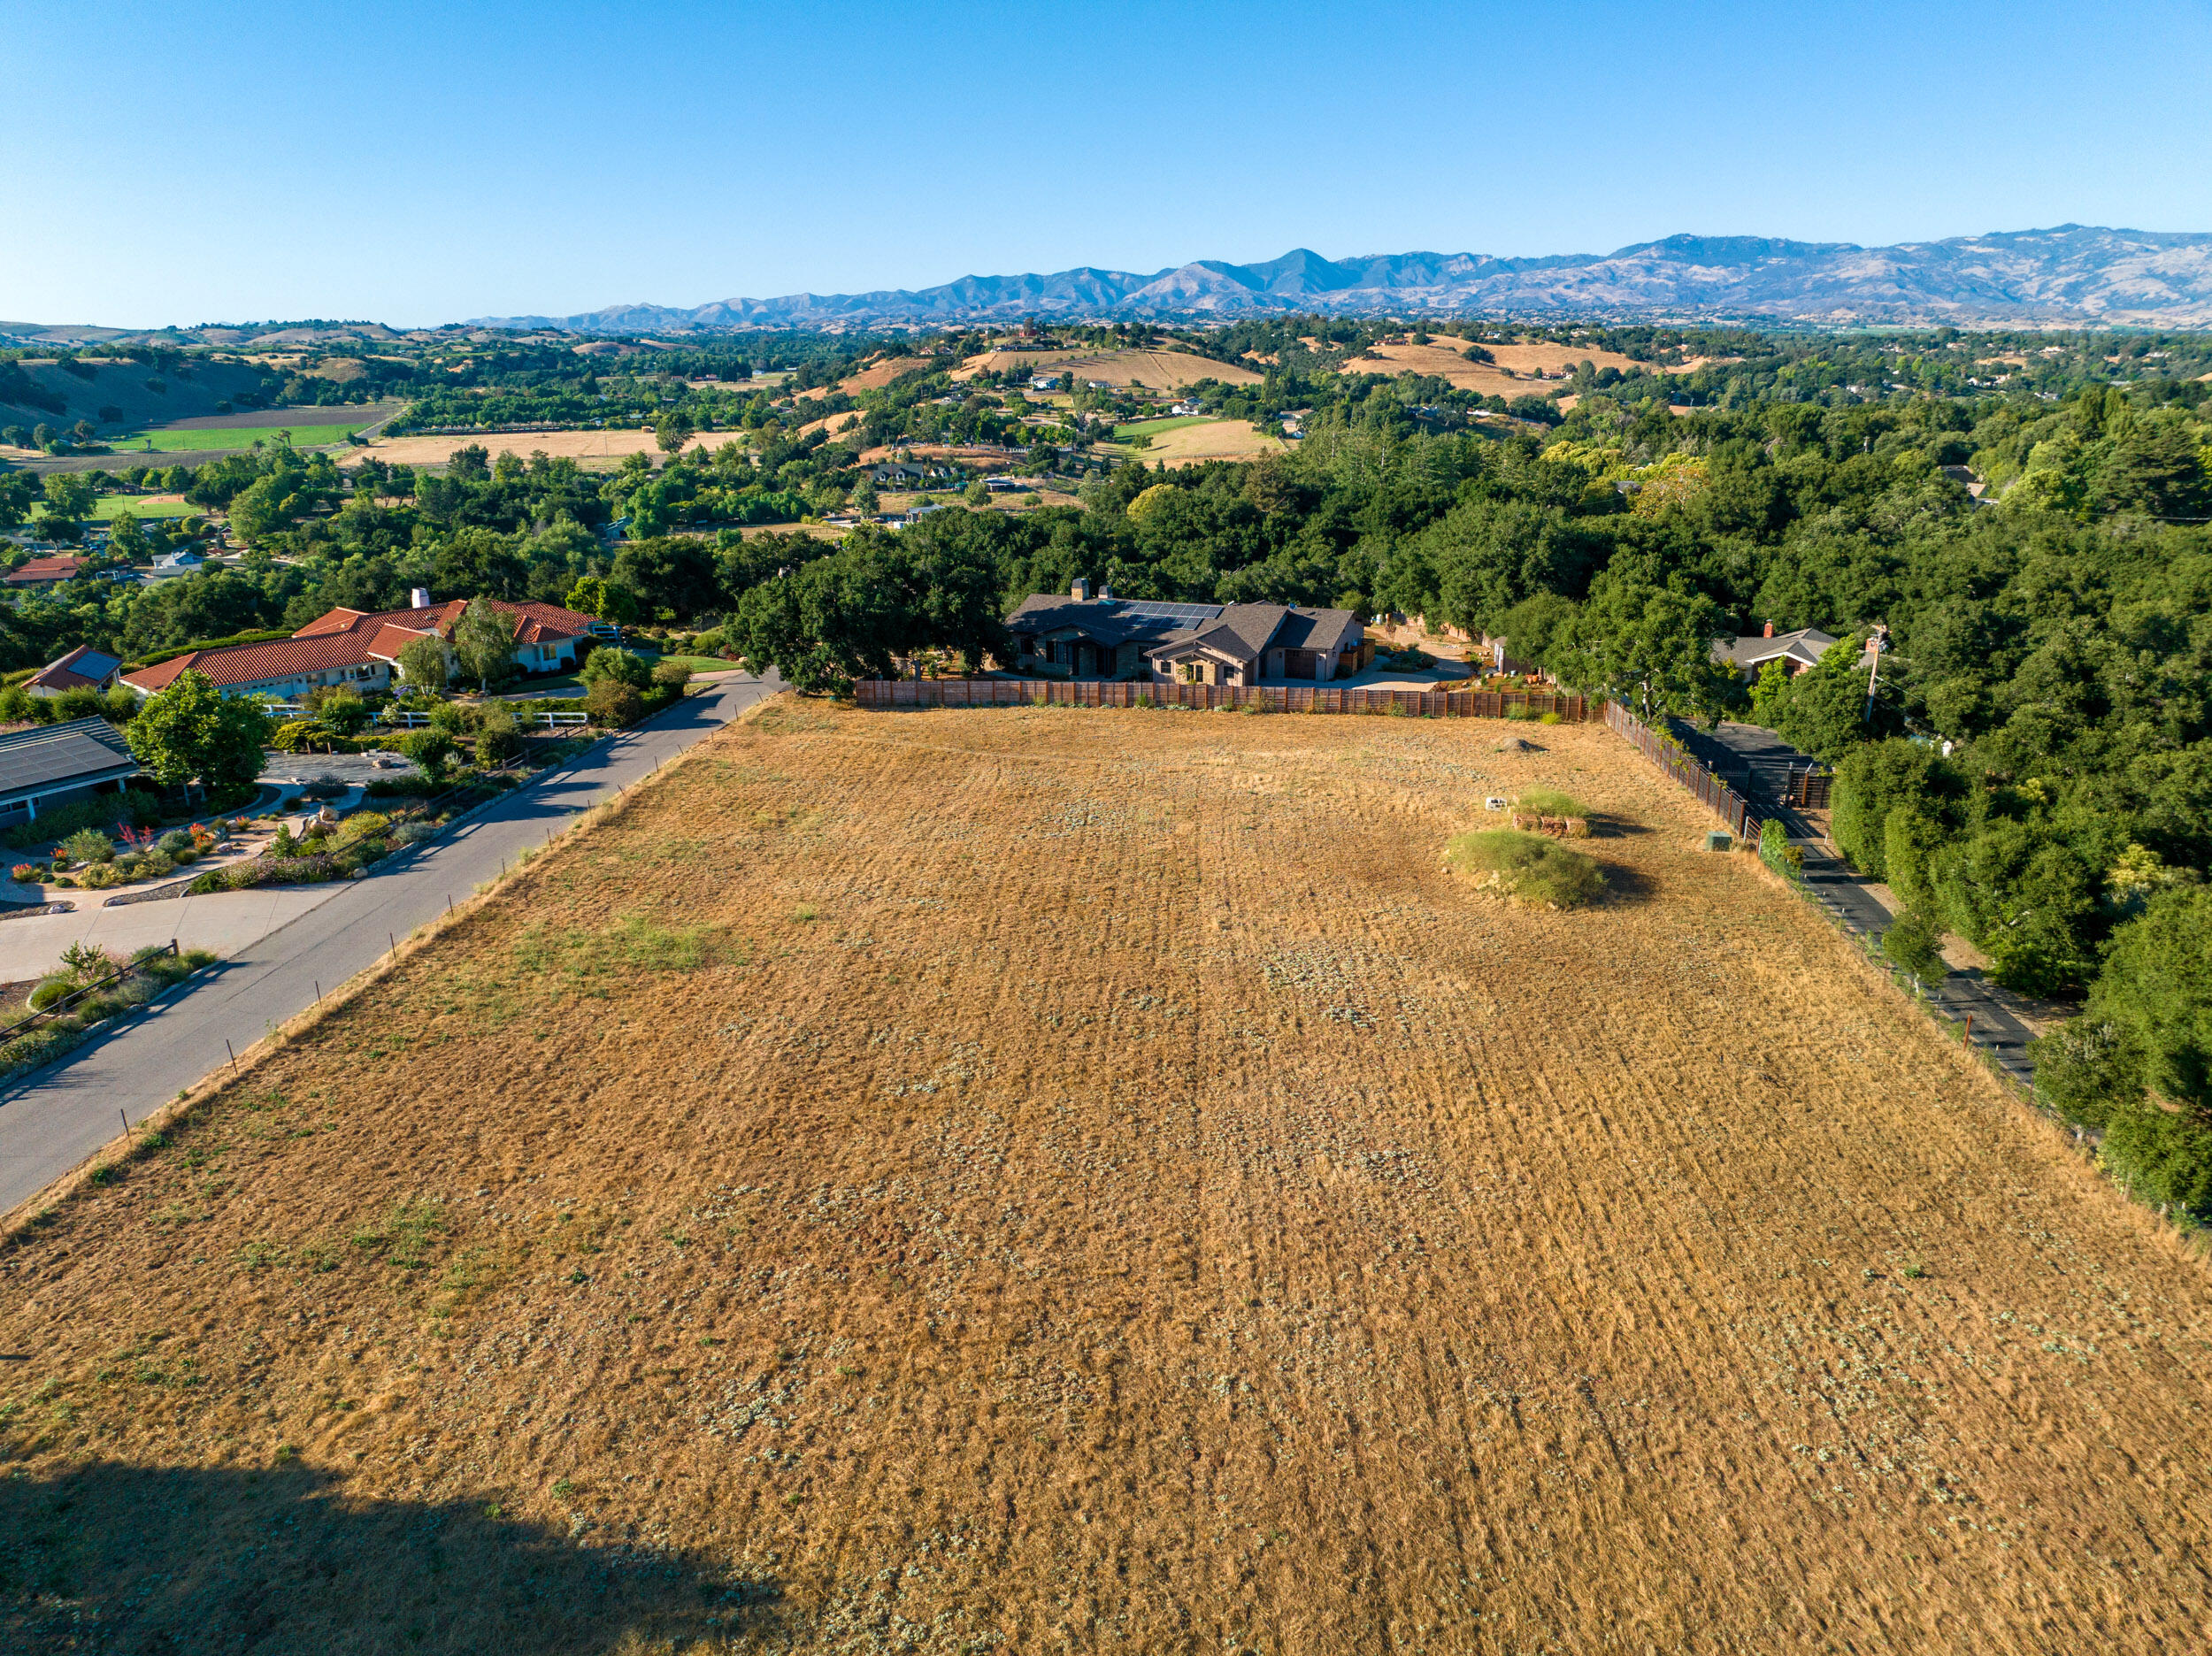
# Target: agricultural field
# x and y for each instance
(1023, 1179)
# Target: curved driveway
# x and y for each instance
(52, 1119)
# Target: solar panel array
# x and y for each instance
(1186, 615)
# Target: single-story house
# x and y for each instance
(1044, 382)
(361, 649)
(59, 764)
(1188, 405)
(1799, 649)
(45, 572)
(84, 668)
(1249, 644)
(182, 562)
(1752, 651)
(1079, 636)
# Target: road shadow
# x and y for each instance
(173, 1561)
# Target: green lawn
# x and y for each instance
(171, 439)
(110, 506)
(697, 663)
(1153, 427)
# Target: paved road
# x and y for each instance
(1758, 764)
(53, 1119)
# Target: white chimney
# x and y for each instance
(419, 599)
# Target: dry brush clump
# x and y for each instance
(1529, 868)
(1041, 1178)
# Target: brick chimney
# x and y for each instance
(1770, 632)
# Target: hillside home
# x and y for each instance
(351, 647)
(1079, 636)
(83, 667)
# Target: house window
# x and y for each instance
(1191, 672)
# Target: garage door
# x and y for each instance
(1299, 664)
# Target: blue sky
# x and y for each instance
(188, 163)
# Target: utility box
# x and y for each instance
(1718, 839)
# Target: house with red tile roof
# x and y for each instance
(361, 649)
(44, 572)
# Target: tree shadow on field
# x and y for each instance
(1626, 886)
(170, 1561)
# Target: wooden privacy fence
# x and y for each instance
(1808, 787)
(959, 693)
(1723, 801)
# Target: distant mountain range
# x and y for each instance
(2074, 275)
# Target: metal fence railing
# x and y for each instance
(59, 1008)
(1723, 801)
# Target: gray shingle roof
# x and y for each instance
(1102, 620)
(58, 756)
(1807, 645)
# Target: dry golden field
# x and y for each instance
(1213, 439)
(1156, 371)
(584, 446)
(1445, 359)
(1047, 1179)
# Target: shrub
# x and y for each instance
(612, 665)
(1527, 867)
(362, 826)
(51, 989)
(1551, 802)
(498, 738)
(29, 871)
(1876, 777)
(1915, 945)
(2163, 1156)
(87, 845)
(400, 787)
(1548, 719)
(1776, 851)
(614, 704)
(671, 672)
(433, 750)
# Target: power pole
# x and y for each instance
(1878, 643)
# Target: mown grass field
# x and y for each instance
(108, 507)
(1044, 1180)
(1153, 427)
(228, 439)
